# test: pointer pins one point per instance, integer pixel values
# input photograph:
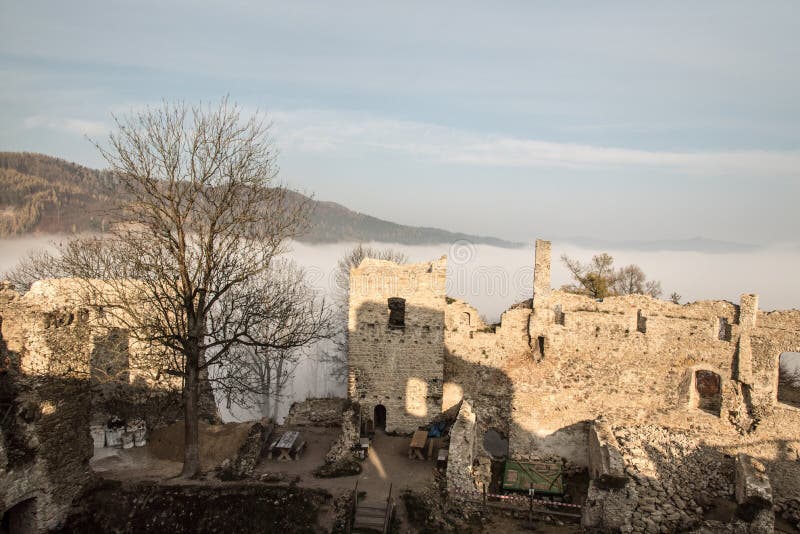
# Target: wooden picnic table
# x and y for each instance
(417, 446)
(285, 445)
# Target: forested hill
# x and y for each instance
(46, 195)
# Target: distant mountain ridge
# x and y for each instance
(694, 244)
(47, 195)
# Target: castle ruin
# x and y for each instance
(672, 403)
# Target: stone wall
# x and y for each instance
(315, 412)
(342, 447)
(65, 365)
(45, 445)
(610, 498)
(754, 494)
(399, 368)
(560, 361)
(463, 441)
(569, 359)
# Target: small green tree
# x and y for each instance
(598, 279)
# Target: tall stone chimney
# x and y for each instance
(541, 271)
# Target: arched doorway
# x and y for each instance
(380, 417)
(20, 518)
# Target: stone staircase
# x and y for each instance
(372, 515)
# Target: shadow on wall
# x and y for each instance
(695, 483)
(51, 389)
(120, 394)
(45, 433)
(489, 389)
(396, 362)
(397, 374)
(662, 466)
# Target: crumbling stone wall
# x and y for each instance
(342, 447)
(316, 412)
(559, 361)
(463, 441)
(611, 498)
(45, 445)
(400, 368)
(754, 494)
(672, 481)
(59, 359)
(567, 359)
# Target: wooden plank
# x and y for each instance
(375, 522)
(366, 508)
(542, 477)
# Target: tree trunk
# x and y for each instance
(266, 393)
(278, 388)
(191, 449)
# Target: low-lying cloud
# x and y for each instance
(493, 278)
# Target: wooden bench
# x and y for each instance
(271, 448)
(298, 449)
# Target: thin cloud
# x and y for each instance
(65, 124)
(324, 131)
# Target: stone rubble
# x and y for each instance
(677, 480)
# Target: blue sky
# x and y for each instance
(615, 120)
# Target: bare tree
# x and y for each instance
(598, 279)
(288, 318)
(35, 265)
(675, 297)
(631, 280)
(337, 356)
(199, 219)
(77, 257)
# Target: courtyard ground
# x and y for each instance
(387, 464)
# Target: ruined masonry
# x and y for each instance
(656, 399)
(63, 365)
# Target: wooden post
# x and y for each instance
(388, 514)
(530, 503)
(355, 508)
(484, 497)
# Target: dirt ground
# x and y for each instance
(386, 465)
(163, 455)
(217, 442)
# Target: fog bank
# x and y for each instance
(492, 279)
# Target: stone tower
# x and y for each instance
(541, 271)
(396, 342)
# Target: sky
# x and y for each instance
(609, 120)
